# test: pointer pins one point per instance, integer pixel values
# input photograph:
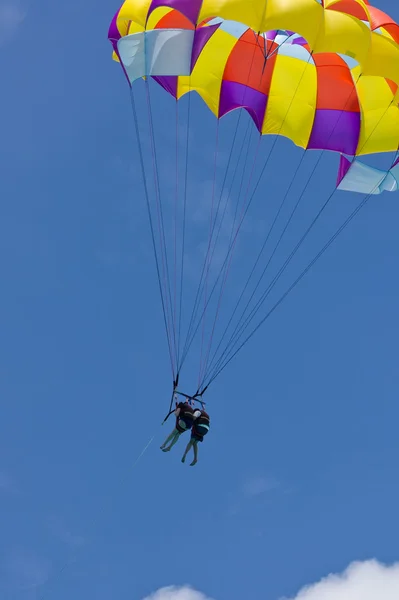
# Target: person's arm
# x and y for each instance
(173, 411)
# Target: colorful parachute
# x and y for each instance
(323, 73)
(333, 84)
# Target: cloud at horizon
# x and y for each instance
(177, 593)
(368, 580)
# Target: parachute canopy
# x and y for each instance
(330, 81)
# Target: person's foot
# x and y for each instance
(194, 462)
(166, 449)
(183, 459)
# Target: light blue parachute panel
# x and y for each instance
(357, 177)
(157, 52)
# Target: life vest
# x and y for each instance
(202, 425)
(186, 415)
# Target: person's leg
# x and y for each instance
(172, 438)
(180, 428)
(195, 448)
(187, 450)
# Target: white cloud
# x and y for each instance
(177, 593)
(369, 580)
(12, 14)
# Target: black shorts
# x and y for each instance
(186, 425)
(198, 432)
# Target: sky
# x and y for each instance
(295, 493)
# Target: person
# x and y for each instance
(185, 416)
(200, 428)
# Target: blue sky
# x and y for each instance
(298, 477)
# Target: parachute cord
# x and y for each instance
(240, 327)
(227, 272)
(305, 271)
(55, 577)
(175, 384)
(198, 294)
(236, 334)
(234, 240)
(290, 218)
(246, 285)
(207, 258)
(199, 290)
(299, 278)
(225, 262)
(175, 235)
(179, 365)
(254, 192)
(230, 243)
(226, 268)
(147, 198)
(161, 227)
